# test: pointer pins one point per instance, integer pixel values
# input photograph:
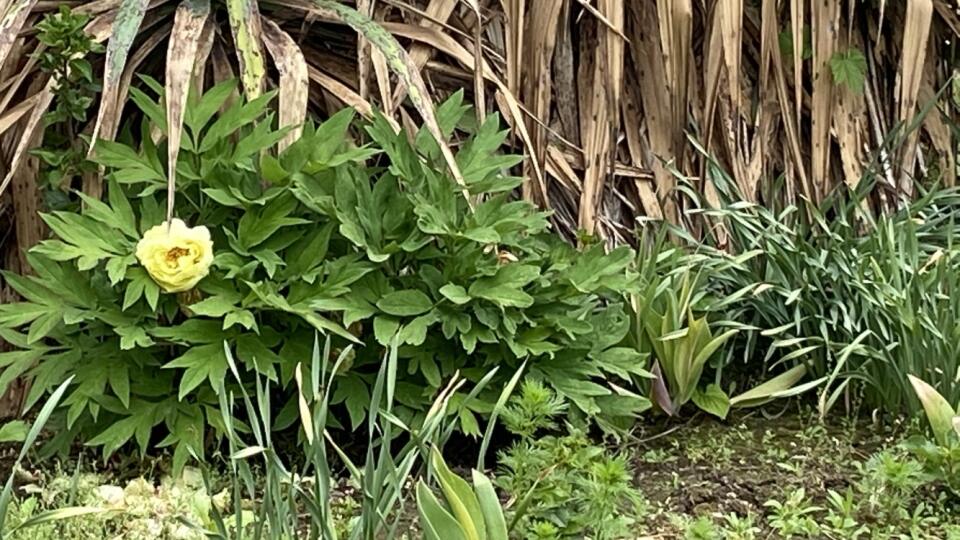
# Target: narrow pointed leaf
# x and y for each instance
(939, 411)
(436, 521)
(765, 392)
(494, 521)
(42, 417)
(460, 497)
(59, 514)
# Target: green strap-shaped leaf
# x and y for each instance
(436, 522)
(766, 392)
(59, 514)
(497, 409)
(460, 498)
(494, 521)
(124, 30)
(181, 56)
(939, 411)
(31, 438)
(247, 34)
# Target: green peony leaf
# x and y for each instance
(407, 303)
(455, 293)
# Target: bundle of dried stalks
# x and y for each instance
(602, 95)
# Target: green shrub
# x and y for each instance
(362, 242)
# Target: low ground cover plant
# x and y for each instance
(565, 484)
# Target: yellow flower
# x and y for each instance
(178, 257)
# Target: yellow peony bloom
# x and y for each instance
(178, 258)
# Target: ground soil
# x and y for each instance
(708, 467)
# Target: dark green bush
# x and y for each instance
(363, 242)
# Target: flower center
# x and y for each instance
(174, 254)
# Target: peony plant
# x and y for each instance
(369, 245)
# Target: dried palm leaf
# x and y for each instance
(364, 63)
(564, 87)
(181, 57)
(796, 27)
(437, 12)
(791, 123)
(826, 17)
(600, 112)
(245, 25)
(478, 92)
(916, 33)
(43, 100)
(731, 30)
(13, 115)
(676, 28)
(294, 80)
(204, 48)
(537, 90)
(848, 123)
(123, 30)
(650, 89)
(514, 22)
(12, 17)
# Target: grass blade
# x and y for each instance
(497, 408)
(59, 514)
(32, 435)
